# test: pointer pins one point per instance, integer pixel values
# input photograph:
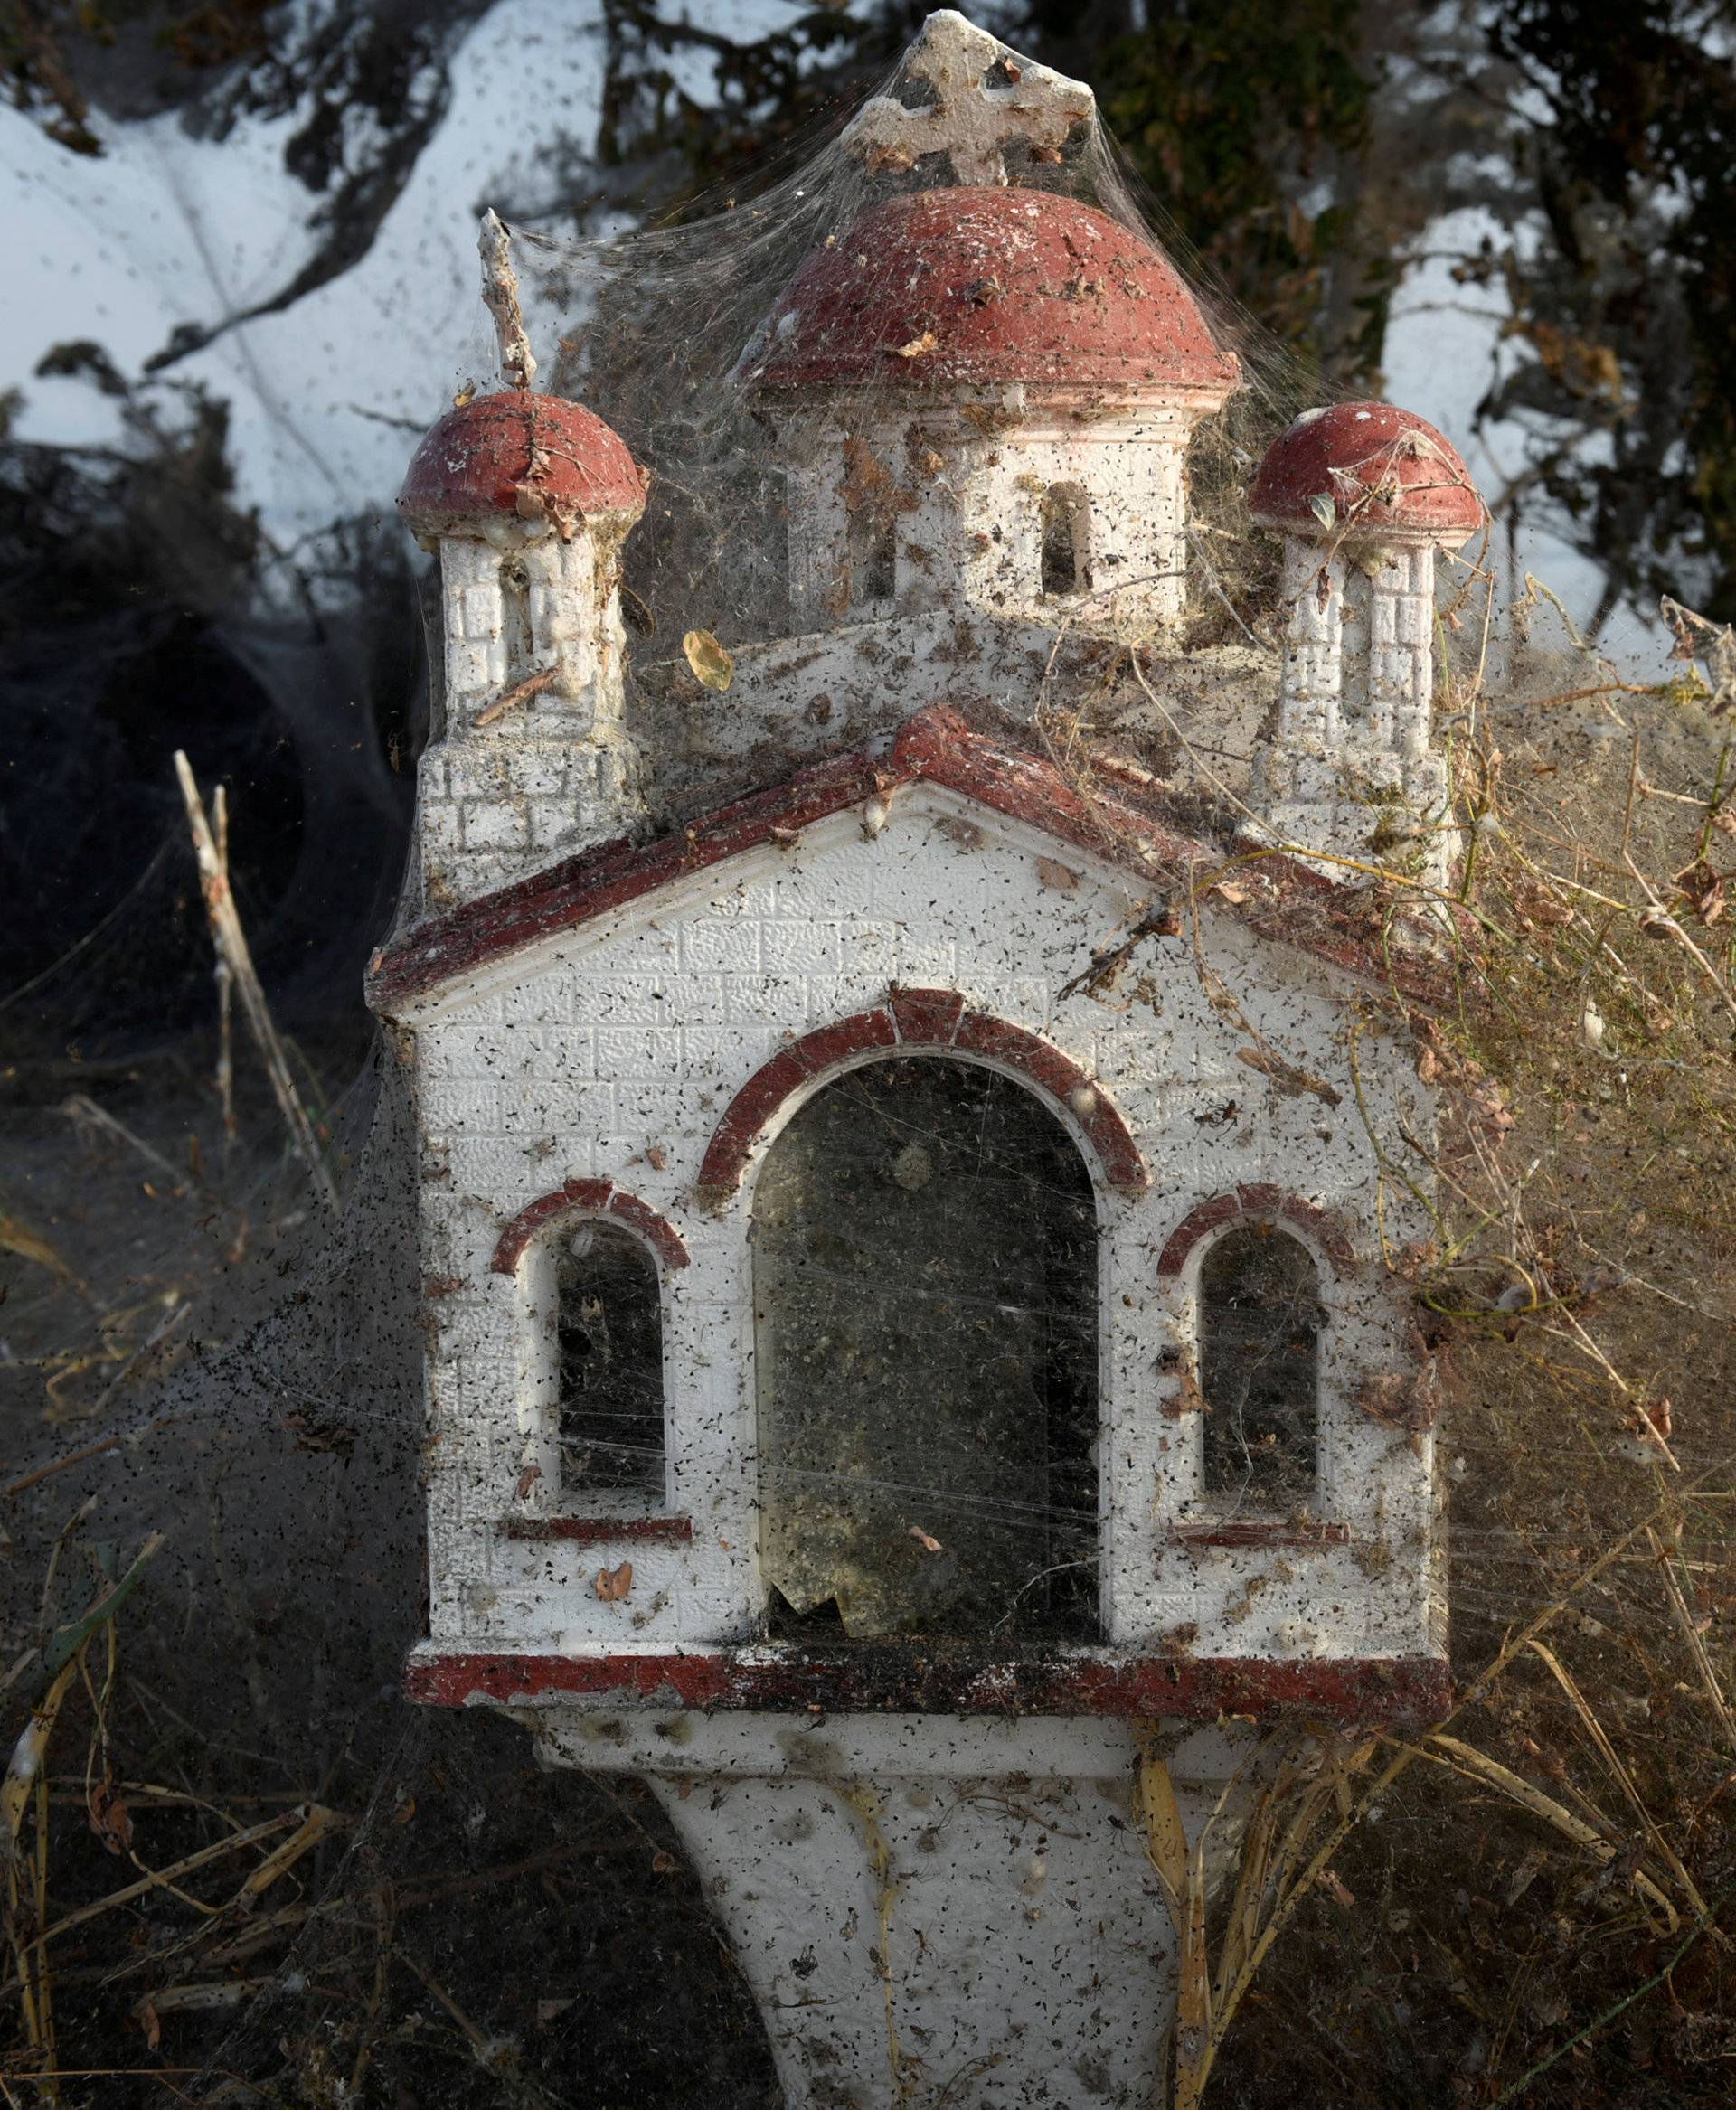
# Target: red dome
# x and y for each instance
(970, 286)
(1383, 470)
(526, 455)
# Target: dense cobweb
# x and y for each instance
(454, 1926)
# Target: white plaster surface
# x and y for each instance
(612, 1051)
(932, 1911)
(967, 502)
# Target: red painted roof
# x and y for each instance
(1276, 895)
(527, 455)
(1382, 469)
(1010, 285)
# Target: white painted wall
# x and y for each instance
(613, 1052)
(969, 503)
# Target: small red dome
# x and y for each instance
(530, 455)
(1384, 469)
(969, 286)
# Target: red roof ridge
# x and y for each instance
(1276, 895)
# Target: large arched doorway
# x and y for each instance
(926, 1322)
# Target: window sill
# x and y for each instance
(913, 1677)
(1260, 1532)
(599, 1531)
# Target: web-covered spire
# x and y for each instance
(975, 116)
(500, 296)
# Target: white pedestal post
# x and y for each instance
(935, 1912)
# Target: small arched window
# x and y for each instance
(609, 1321)
(515, 619)
(1259, 1322)
(1066, 540)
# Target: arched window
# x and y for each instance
(609, 1326)
(515, 619)
(1259, 1322)
(1066, 540)
(925, 1298)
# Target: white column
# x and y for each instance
(1314, 635)
(931, 1909)
(566, 614)
(1401, 651)
(476, 645)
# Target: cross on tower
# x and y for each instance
(971, 121)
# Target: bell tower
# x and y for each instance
(527, 500)
(981, 393)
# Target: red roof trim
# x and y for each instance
(1259, 1204)
(918, 1018)
(1282, 897)
(912, 1677)
(588, 1198)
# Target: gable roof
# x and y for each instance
(1276, 895)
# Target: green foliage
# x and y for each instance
(1628, 302)
(1233, 115)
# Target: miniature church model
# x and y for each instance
(902, 1236)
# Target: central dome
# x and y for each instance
(972, 286)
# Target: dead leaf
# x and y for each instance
(614, 1583)
(928, 1543)
(1655, 1419)
(665, 1864)
(1334, 1885)
(1051, 874)
(1704, 891)
(109, 1818)
(1187, 1397)
(656, 1157)
(917, 346)
(1414, 1260)
(1406, 1400)
(711, 664)
(145, 2014)
(528, 1479)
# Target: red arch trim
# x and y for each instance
(588, 1198)
(1259, 1204)
(918, 1018)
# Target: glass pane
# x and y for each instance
(1259, 1330)
(612, 1362)
(925, 1279)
